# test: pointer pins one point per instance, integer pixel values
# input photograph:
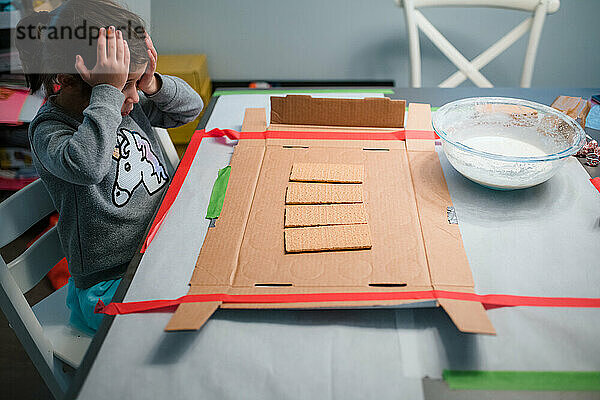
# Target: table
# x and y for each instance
(517, 242)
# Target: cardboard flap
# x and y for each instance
(191, 316)
(370, 112)
(446, 256)
(255, 120)
(222, 242)
(468, 316)
(419, 119)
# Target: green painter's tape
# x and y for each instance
(217, 197)
(523, 380)
(276, 91)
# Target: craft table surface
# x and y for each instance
(540, 241)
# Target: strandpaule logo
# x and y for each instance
(80, 32)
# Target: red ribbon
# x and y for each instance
(192, 149)
(489, 301)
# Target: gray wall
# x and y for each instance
(366, 39)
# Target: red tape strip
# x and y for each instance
(395, 135)
(174, 187)
(596, 183)
(489, 300)
(192, 149)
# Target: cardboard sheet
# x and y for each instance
(413, 247)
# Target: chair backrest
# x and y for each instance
(18, 213)
(415, 20)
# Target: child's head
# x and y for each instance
(49, 42)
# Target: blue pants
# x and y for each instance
(82, 303)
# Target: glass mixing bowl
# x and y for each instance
(504, 143)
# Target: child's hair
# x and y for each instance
(49, 42)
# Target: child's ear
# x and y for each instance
(66, 80)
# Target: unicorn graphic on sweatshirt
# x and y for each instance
(136, 164)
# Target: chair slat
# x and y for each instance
(522, 5)
(33, 264)
(491, 53)
(22, 210)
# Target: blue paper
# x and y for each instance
(593, 118)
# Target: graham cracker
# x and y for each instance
(323, 193)
(327, 238)
(332, 173)
(324, 214)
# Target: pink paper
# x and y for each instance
(11, 103)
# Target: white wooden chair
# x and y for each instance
(167, 146)
(415, 20)
(43, 330)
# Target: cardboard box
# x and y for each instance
(575, 107)
(414, 247)
(193, 69)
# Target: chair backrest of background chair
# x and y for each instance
(415, 20)
(523, 5)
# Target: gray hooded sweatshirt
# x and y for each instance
(106, 173)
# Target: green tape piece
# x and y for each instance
(523, 380)
(276, 91)
(217, 197)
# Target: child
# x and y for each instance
(92, 141)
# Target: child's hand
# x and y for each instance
(148, 82)
(112, 65)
